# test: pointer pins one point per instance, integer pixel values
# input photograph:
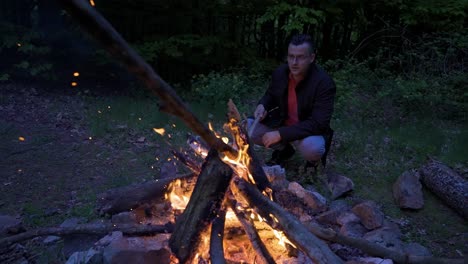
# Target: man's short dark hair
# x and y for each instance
(300, 39)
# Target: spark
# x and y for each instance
(92, 2)
(76, 74)
(90, 138)
(99, 111)
(160, 131)
(139, 118)
(74, 84)
(173, 125)
(18, 44)
(108, 107)
(21, 139)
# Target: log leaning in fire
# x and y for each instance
(447, 184)
(96, 229)
(316, 249)
(102, 31)
(262, 252)
(204, 204)
(374, 249)
(125, 198)
(216, 238)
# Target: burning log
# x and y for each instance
(202, 208)
(96, 229)
(125, 198)
(216, 239)
(316, 249)
(447, 184)
(187, 161)
(254, 238)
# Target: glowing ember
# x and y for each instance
(92, 2)
(282, 238)
(160, 131)
(176, 196)
(76, 74)
(21, 139)
(74, 84)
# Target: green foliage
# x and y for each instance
(218, 88)
(297, 17)
(25, 54)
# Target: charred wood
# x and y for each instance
(249, 227)
(202, 208)
(187, 161)
(216, 239)
(125, 198)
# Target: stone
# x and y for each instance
(318, 203)
(416, 249)
(387, 237)
(91, 256)
(338, 184)
(347, 217)
(276, 175)
(407, 191)
(371, 216)
(142, 250)
(335, 210)
(10, 225)
(77, 242)
(353, 229)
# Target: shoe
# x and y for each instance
(280, 156)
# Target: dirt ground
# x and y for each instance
(49, 164)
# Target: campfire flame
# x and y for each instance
(176, 196)
(240, 164)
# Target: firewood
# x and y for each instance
(315, 248)
(262, 252)
(216, 239)
(95, 229)
(202, 208)
(447, 184)
(125, 198)
(374, 249)
(187, 161)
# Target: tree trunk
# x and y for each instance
(447, 184)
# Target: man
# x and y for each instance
(297, 107)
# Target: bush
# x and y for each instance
(218, 88)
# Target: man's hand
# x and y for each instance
(260, 112)
(271, 138)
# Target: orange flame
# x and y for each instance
(176, 196)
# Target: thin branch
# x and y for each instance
(97, 229)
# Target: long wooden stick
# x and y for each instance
(98, 229)
(374, 249)
(254, 238)
(102, 31)
(217, 238)
(315, 248)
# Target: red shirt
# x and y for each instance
(293, 117)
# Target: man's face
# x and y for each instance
(299, 59)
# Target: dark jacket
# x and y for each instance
(315, 99)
